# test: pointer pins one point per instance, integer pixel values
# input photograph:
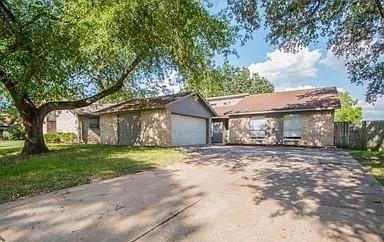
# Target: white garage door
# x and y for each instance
(188, 130)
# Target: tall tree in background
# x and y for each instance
(67, 54)
(349, 111)
(354, 30)
(228, 80)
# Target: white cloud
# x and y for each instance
(287, 70)
(301, 87)
(373, 112)
(333, 61)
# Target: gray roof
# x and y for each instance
(309, 99)
(144, 103)
(92, 109)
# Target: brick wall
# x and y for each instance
(318, 130)
(154, 128)
(88, 135)
(108, 129)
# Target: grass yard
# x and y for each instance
(372, 160)
(71, 165)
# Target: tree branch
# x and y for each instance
(7, 11)
(61, 105)
(21, 100)
(314, 10)
(380, 7)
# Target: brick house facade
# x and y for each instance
(171, 120)
(299, 118)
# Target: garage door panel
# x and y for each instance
(188, 130)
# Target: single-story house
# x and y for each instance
(81, 121)
(300, 117)
(171, 120)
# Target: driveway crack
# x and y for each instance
(168, 219)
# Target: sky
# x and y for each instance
(314, 66)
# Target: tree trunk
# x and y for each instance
(34, 140)
(33, 117)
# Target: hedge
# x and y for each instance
(60, 138)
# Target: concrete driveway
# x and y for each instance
(220, 193)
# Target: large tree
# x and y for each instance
(228, 80)
(354, 30)
(349, 111)
(65, 54)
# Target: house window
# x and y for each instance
(94, 123)
(292, 126)
(257, 127)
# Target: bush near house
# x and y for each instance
(14, 132)
(71, 165)
(60, 138)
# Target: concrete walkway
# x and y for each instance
(219, 193)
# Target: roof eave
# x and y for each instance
(190, 95)
(132, 110)
(283, 111)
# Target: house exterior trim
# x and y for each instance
(281, 111)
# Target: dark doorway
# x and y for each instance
(217, 132)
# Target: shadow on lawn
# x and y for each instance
(72, 165)
(121, 209)
(323, 184)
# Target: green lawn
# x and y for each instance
(372, 160)
(71, 165)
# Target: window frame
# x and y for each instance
(298, 130)
(97, 126)
(263, 129)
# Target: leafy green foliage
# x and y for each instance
(14, 132)
(60, 138)
(64, 54)
(228, 80)
(65, 50)
(349, 111)
(372, 160)
(354, 30)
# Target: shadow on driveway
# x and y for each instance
(324, 184)
(223, 193)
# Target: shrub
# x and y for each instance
(52, 138)
(64, 138)
(15, 132)
(67, 138)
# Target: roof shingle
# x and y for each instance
(143, 103)
(309, 99)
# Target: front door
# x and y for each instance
(217, 132)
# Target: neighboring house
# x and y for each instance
(171, 120)
(301, 117)
(3, 127)
(81, 121)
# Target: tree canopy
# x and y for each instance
(66, 54)
(228, 80)
(353, 30)
(349, 111)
